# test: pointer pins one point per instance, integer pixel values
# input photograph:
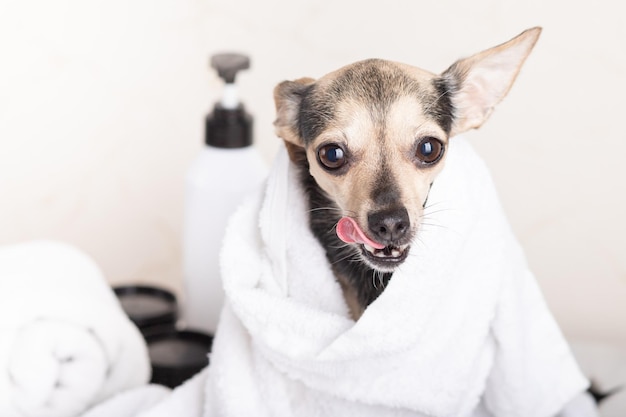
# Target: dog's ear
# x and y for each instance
(288, 98)
(479, 82)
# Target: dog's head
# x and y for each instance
(375, 135)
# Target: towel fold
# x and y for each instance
(65, 343)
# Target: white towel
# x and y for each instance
(65, 343)
(461, 329)
(187, 400)
(130, 403)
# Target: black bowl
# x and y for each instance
(148, 306)
(177, 355)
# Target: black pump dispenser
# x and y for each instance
(229, 126)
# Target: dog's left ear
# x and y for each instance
(479, 82)
(288, 98)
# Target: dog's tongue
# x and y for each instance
(349, 232)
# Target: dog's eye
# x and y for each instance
(331, 156)
(429, 150)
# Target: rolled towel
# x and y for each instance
(65, 342)
(130, 403)
(186, 400)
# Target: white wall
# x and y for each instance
(101, 107)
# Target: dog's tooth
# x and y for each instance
(369, 248)
(395, 253)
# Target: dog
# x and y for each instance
(369, 140)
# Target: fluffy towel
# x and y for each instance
(461, 330)
(65, 343)
(132, 402)
(187, 400)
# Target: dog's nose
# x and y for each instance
(389, 225)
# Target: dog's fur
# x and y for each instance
(370, 139)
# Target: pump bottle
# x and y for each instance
(227, 169)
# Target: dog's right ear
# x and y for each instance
(288, 98)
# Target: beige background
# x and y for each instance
(101, 107)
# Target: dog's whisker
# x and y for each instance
(347, 257)
(443, 227)
(332, 230)
(381, 279)
(434, 225)
(430, 213)
(333, 209)
(325, 208)
(432, 204)
(357, 261)
(429, 209)
(436, 204)
(346, 245)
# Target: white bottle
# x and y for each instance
(228, 169)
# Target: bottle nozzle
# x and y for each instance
(227, 65)
(229, 126)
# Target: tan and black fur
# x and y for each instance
(390, 123)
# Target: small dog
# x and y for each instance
(369, 140)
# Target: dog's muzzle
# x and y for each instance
(389, 248)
